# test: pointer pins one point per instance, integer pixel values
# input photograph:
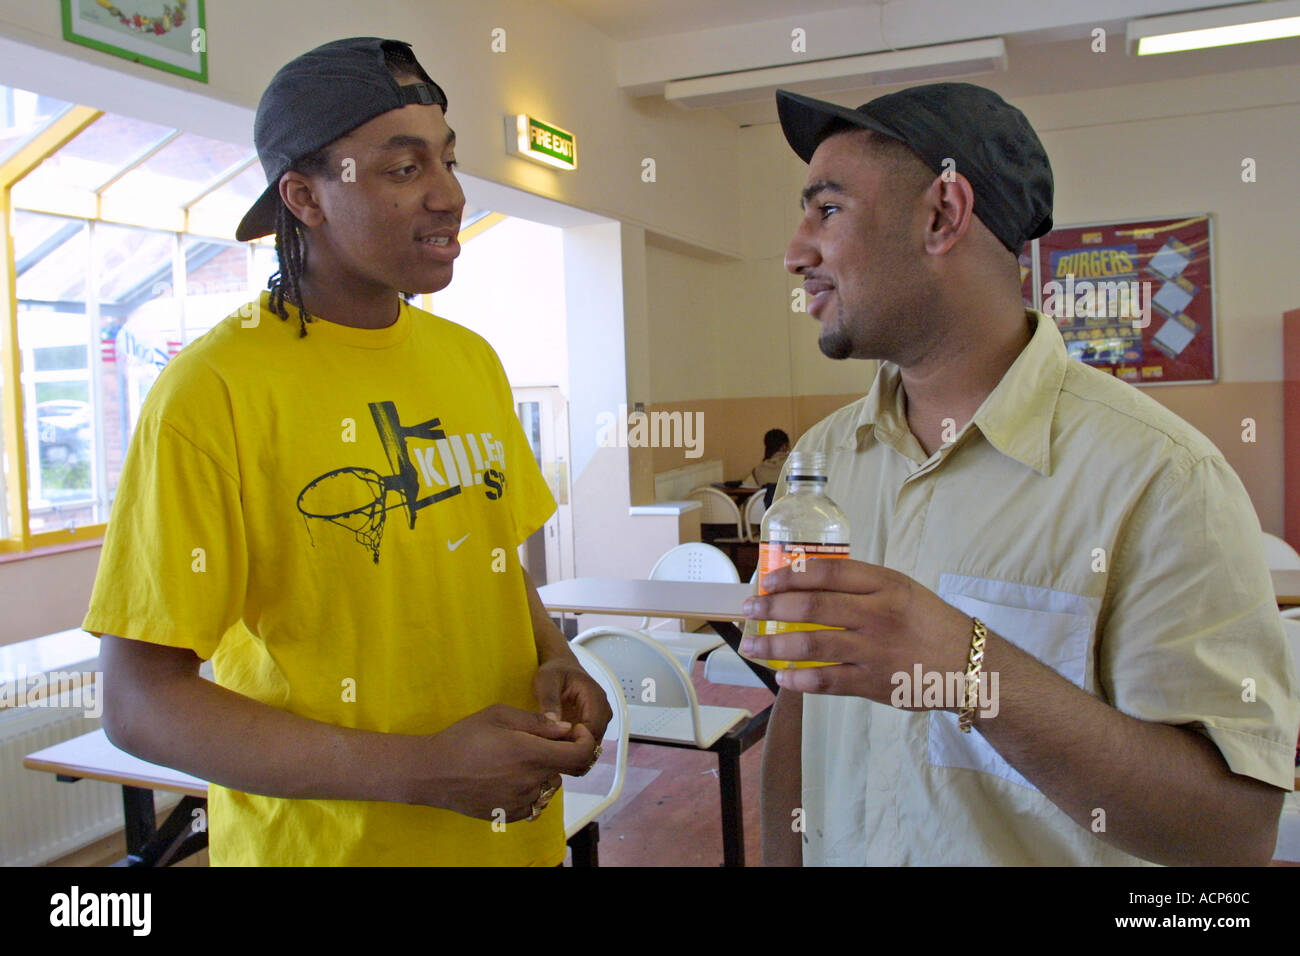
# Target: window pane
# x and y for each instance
(266, 263)
(140, 329)
(60, 358)
(154, 192)
(23, 115)
(219, 212)
(66, 181)
(59, 426)
(53, 337)
(50, 255)
(216, 283)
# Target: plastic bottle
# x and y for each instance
(803, 525)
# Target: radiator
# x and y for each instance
(42, 819)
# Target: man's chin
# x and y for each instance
(835, 344)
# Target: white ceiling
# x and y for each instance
(1048, 41)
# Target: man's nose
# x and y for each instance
(800, 254)
(446, 194)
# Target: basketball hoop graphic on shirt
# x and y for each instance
(356, 498)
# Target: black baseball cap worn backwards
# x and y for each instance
(318, 97)
(990, 142)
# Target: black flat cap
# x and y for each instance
(989, 141)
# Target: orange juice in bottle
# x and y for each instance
(803, 525)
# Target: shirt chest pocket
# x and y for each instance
(1055, 627)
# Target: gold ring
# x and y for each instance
(543, 800)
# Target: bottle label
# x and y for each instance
(796, 554)
(780, 554)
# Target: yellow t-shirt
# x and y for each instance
(400, 620)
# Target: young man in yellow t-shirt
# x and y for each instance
(324, 495)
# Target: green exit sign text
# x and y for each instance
(545, 143)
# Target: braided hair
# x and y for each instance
(291, 234)
(291, 248)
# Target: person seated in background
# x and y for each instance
(776, 445)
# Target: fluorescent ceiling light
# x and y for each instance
(919, 64)
(1226, 26)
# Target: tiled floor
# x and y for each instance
(676, 819)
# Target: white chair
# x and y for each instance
(693, 561)
(718, 509)
(663, 709)
(753, 515)
(1281, 556)
(1288, 827)
(582, 809)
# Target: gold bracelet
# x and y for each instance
(973, 664)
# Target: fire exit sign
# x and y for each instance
(544, 143)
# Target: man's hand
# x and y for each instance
(890, 623)
(567, 693)
(500, 758)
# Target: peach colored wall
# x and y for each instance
(734, 431)
(44, 594)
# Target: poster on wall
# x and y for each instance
(1027, 280)
(165, 34)
(1134, 299)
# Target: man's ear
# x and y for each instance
(299, 194)
(951, 202)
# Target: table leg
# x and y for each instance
(728, 631)
(733, 811)
(584, 844)
(150, 845)
(138, 809)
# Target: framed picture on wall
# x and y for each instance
(165, 34)
(1135, 298)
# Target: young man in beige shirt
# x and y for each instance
(1083, 558)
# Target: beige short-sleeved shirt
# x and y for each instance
(1088, 525)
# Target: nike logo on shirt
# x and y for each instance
(453, 547)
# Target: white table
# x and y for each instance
(719, 604)
(678, 599)
(92, 756)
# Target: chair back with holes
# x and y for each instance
(692, 561)
(647, 672)
(695, 561)
(1281, 556)
(617, 730)
(755, 508)
(718, 507)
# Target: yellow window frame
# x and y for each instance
(22, 162)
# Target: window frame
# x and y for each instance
(26, 158)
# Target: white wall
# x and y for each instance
(555, 67)
(508, 286)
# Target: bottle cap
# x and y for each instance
(807, 466)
